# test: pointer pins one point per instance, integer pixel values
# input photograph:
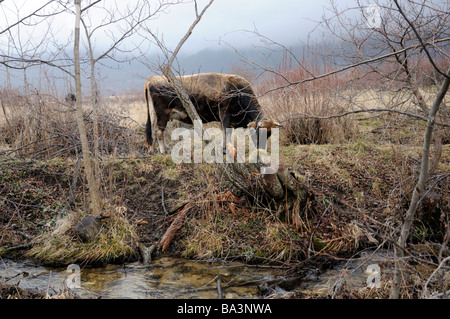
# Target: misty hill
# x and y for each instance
(118, 78)
(132, 75)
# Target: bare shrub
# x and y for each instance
(43, 127)
(300, 108)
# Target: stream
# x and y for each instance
(178, 278)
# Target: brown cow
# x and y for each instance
(228, 99)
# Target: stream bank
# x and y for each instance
(351, 185)
(178, 278)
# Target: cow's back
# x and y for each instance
(210, 85)
(212, 94)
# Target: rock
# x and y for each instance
(88, 228)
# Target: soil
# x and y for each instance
(35, 193)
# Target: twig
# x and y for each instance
(127, 117)
(219, 286)
(72, 188)
(420, 40)
(162, 202)
(303, 115)
(425, 288)
(188, 33)
(313, 232)
(351, 66)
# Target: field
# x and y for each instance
(359, 170)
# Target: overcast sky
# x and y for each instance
(286, 21)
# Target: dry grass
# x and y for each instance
(61, 247)
(361, 169)
(44, 128)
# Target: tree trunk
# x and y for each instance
(93, 191)
(418, 189)
(94, 103)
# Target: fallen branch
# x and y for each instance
(19, 247)
(127, 117)
(166, 239)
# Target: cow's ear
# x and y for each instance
(264, 124)
(274, 124)
(277, 124)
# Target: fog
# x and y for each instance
(228, 25)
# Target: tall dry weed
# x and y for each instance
(42, 127)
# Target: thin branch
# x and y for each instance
(162, 202)
(304, 115)
(425, 288)
(92, 4)
(188, 33)
(351, 66)
(420, 40)
(26, 17)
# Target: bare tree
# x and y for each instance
(93, 185)
(125, 22)
(404, 54)
(424, 168)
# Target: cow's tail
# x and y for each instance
(148, 127)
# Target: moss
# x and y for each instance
(360, 147)
(60, 247)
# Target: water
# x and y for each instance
(166, 277)
(175, 278)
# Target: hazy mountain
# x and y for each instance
(119, 78)
(132, 76)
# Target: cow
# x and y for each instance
(225, 98)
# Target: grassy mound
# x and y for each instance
(61, 246)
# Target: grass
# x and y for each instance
(361, 170)
(362, 177)
(247, 235)
(61, 247)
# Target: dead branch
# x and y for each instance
(417, 116)
(178, 86)
(166, 239)
(162, 202)
(354, 65)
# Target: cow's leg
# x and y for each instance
(160, 138)
(226, 133)
(161, 127)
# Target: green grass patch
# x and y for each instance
(61, 247)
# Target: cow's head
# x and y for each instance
(267, 124)
(264, 124)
